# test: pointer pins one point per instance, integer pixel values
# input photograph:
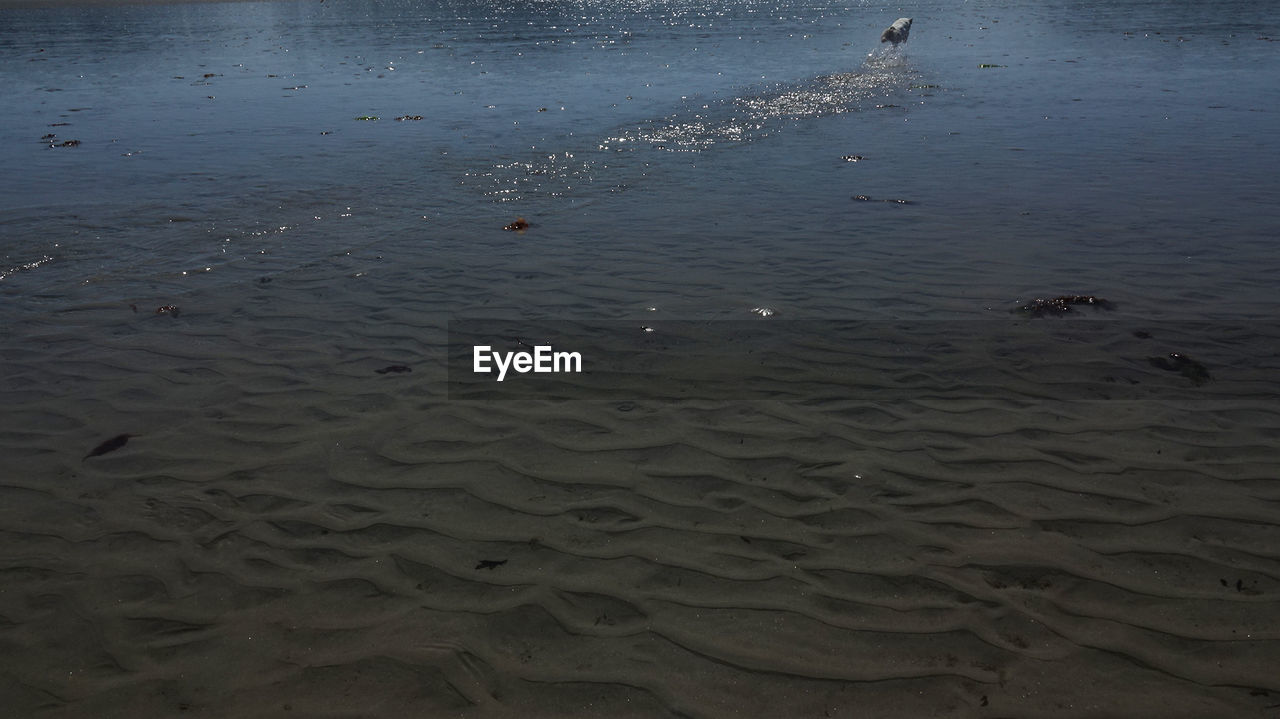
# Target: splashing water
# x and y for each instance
(701, 126)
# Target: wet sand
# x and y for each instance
(291, 533)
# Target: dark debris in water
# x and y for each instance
(395, 368)
(852, 158)
(1183, 365)
(110, 445)
(171, 310)
(520, 225)
(490, 563)
(1063, 304)
(402, 118)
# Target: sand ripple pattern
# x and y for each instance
(289, 532)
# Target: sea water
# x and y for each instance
(1045, 147)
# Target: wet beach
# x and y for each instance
(239, 482)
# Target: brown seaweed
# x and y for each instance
(520, 225)
(110, 445)
(1063, 304)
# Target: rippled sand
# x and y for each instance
(290, 532)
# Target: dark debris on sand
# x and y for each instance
(1061, 305)
(1183, 365)
(395, 368)
(110, 445)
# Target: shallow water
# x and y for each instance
(287, 530)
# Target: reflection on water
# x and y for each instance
(209, 112)
(748, 117)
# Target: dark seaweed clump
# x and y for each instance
(1183, 365)
(1061, 305)
(110, 445)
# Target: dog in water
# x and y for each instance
(898, 31)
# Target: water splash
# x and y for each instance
(701, 126)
